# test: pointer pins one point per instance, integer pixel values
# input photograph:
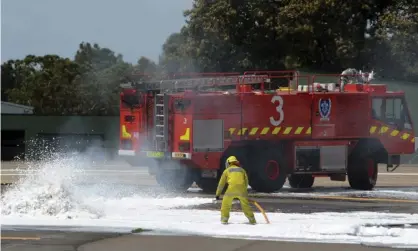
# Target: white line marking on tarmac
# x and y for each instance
(399, 174)
(104, 174)
(83, 171)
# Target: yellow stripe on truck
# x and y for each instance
(373, 129)
(385, 130)
(301, 130)
(257, 131)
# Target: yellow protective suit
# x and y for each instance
(237, 180)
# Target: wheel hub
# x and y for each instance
(272, 169)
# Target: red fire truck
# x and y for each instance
(184, 127)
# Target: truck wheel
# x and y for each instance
(362, 173)
(301, 180)
(268, 170)
(207, 185)
(177, 180)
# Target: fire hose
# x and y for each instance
(260, 209)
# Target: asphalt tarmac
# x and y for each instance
(52, 240)
(36, 238)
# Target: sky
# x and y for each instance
(133, 28)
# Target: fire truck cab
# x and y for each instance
(280, 125)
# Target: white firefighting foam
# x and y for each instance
(405, 193)
(55, 189)
(53, 196)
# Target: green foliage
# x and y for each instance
(102, 71)
(87, 85)
(398, 32)
(226, 36)
(47, 83)
(325, 35)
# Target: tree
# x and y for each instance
(47, 83)
(222, 37)
(326, 35)
(146, 66)
(231, 35)
(12, 73)
(94, 58)
(175, 56)
(255, 34)
(397, 47)
(99, 82)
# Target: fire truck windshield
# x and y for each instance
(393, 111)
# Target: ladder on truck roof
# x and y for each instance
(161, 122)
(197, 83)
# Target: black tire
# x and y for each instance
(301, 180)
(207, 185)
(362, 172)
(268, 170)
(175, 180)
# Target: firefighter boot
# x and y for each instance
(252, 220)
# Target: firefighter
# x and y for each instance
(236, 178)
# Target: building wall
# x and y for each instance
(32, 125)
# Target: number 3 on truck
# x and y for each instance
(279, 109)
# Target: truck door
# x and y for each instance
(392, 124)
(131, 120)
(323, 116)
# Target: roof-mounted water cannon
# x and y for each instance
(353, 76)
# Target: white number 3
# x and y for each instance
(279, 109)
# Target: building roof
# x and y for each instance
(12, 108)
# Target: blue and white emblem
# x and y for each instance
(325, 108)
